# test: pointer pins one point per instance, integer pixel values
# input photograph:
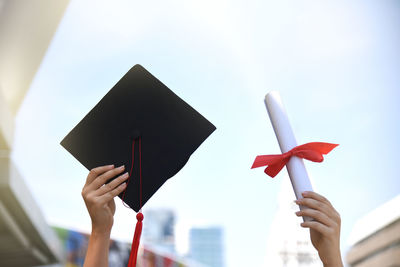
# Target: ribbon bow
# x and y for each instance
(312, 151)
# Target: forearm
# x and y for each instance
(331, 257)
(335, 262)
(339, 264)
(97, 252)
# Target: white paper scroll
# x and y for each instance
(284, 133)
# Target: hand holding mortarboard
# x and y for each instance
(99, 201)
(99, 197)
(141, 124)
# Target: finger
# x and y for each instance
(317, 215)
(317, 226)
(95, 172)
(102, 179)
(316, 196)
(332, 212)
(318, 205)
(113, 193)
(313, 204)
(112, 185)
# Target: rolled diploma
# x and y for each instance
(284, 133)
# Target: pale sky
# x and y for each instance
(336, 65)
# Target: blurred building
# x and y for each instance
(74, 247)
(288, 244)
(206, 246)
(158, 231)
(75, 243)
(375, 238)
(151, 257)
(26, 30)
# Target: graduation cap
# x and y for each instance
(140, 110)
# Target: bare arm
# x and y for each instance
(97, 252)
(99, 200)
(324, 229)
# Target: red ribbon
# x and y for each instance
(312, 151)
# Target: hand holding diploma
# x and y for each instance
(292, 155)
(318, 213)
(324, 228)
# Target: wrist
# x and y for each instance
(101, 232)
(332, 259)
(339, 264)
(334, 263)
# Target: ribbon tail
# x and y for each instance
(325, 148)
(273, 169)
(265, 160)
(314, 151)
(136, 241)
(321, 147)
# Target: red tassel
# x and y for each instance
(139, 216)
(136, 241)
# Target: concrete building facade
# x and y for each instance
(375, 238)
(26, 30)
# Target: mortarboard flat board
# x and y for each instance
(139, 106)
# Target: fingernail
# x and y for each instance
(125, 175)
(302, 224)
(297, 202)
(121, 167)
(111, 166)
(297, 213)
(123, 184)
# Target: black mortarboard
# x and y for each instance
(139, 106)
